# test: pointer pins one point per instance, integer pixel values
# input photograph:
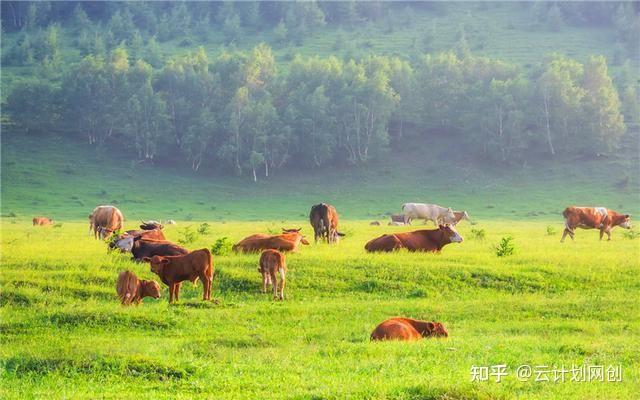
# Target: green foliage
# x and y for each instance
(222, 246)
(506, 247)
(551, 230)
(478, 234)
(188, 235)
(204, 228)
(631, 234)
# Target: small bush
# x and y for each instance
(58, 225)
(551, 230)
(478, 234)
(222, 246)
(630, 234)
(188, 235)
(506, 247)
(204, 228)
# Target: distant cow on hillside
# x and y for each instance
(324, 220)
(104, 220)
(42, 221)
(428, 212)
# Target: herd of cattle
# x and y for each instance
(174, 264)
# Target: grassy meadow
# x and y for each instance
(65, 335)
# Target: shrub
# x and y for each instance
(630, 234)
(506, 247)
(478, 234)
(188, 235)
(204, 228)
(551, 230)
(222, 246)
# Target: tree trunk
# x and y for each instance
(548, 123)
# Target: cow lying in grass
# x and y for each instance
(289, 240)
(173, 270)
(424, 240)
(132, 290)
(407, 329)
(42, 221)
(272, 263)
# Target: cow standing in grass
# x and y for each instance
(42, 221)
(428, 212)
(173, 270)
(104, 221)
(272, 264)
(593, 218)
(324, 220)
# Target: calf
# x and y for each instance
(272, 262)
(173, 270)
(407, 329)
(42, 221)
(132, 290)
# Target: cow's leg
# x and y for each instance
(282, 283)
(564, 235)
(264, 282)
(601, 233)
(274, 283)
(177, 294)
(607, 230)
(172, 290)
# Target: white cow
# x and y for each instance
(428, 212)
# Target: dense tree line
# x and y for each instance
(239, 113)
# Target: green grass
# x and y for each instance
(65, 180)
(65, 335)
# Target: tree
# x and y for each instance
(33, 107)
(604, 121)
(231, 28)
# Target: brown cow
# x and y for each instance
(324, 220)
(272, 262)
(132, 290)
(104, 220)
(173, 270)
(398, 328)
(289, 240)
(423, 240)
(593, 218)
(125, 241)
(459, 216)
(42, 221)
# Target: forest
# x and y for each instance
(99, 72)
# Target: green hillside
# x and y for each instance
(67, 181)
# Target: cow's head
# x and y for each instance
(150, 289)
(451, 233)
(439, 330)
(157, 263)
(150, 225)
(626, 222)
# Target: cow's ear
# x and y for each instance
(164, 261)
(627, 216)
(441, 226)
(146, 259)
(449, 209)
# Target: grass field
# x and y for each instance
(65, 335)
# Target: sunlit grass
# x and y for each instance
(65, 335)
